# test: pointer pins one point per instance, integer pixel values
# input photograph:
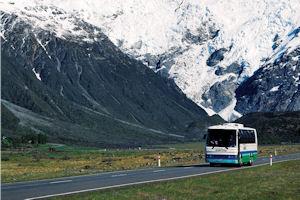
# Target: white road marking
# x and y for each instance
(79, 176)
(187, 167)
(161, 170)
(63, 181)
(152, 181)
(118, 175)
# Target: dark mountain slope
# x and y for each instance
(89, 85)
(274, 127)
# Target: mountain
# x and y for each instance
(71, 82)
(229, 57)
(274, 127)
(275, 86)
(208, 47)
(270, 99)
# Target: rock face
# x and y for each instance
(223, 90)
(80, 88)
(234, 68)
(274, 87)
(216, 57)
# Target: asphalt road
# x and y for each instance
(70, 185)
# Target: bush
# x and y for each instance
(4, 158)
(6, 142)
(41, 138)
(33, 138)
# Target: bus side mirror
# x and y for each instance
(204, 136)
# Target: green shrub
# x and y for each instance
(33, 138)
(4, 158)
(6, 142)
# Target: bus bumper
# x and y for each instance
(226, 159)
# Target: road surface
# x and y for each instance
(69, 185)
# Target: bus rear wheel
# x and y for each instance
(250, 163)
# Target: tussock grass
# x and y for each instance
(40, 163)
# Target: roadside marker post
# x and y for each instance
(158, 161)
(271, 160)
(275, 153)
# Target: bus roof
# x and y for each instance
(230, 126)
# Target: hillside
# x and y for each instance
(274, 127)
(86, 91)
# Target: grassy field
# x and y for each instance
(39, 163)
(281, 181)
(54, 160)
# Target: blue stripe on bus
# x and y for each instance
(253, 151)
(233, 161)
(211, 158)
(248, 152)
(221, 156)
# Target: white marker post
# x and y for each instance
(271, 160)
(158, 161)
(275, 153)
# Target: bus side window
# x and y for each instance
(252, 136)
(246, 136)
(242, 137)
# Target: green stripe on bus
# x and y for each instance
(247, 157)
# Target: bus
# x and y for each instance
(231, 143)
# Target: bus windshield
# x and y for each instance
(221, 138)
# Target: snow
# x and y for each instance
(43, 46)
(296, 80)
(37, 75)
(296, 58)
(289, 43)
(158, 28)
(275, 89)
(209, 111)
(161, 68)
(228, 113)
(44, 15)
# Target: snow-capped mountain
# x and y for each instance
(275, 86)
(208, 47)
(81, 89)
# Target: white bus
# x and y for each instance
(231, 143)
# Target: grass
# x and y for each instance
(281, 181)
(186, 146)
(40, 162)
